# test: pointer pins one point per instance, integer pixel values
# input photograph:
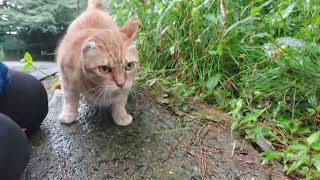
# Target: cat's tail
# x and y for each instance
(95, 4)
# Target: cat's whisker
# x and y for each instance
(101, 104)
(97, 95)
(92, 89)
(105, 95)
(94, 95)
(100, 92)
(109, 94)
(89, 96)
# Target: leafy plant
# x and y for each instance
(258, 59)
(300, 156)
(26, 61)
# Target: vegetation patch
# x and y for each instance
(258, 60)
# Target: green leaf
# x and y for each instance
(238, 23)
(316, 146)
(26, 67)
(255, 10)
(288, 11)
(193, 11)
(267, 3)
(316, 161)
(253, 116)
(313, 100)
(236, 108)
(27, 61)
(301, 148)
(295, 165)
(235, 124)
(213, 81)
(261, 35)
(210, 17)
(219, 49)
(313, 138)
(271, 155)
(27, 58)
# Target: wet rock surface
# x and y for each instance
(157, 145)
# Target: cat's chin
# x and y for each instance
(105, 99)
(114, 89)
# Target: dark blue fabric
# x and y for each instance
(4, 77)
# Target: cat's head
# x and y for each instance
(110, 59)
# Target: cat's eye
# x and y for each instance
(129, 66)
(104, 69)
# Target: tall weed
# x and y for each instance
(258, 59)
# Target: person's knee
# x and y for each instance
(37, 94)
(25, 101)
(14, 149)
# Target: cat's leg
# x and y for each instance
(69, 112)
(119, 113)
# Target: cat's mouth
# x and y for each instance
(114, 88)
(104, 92)
(126, 86)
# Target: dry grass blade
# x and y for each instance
(223, 12)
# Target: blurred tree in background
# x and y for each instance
(34, 25)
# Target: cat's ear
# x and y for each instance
(90, 48)
(130, 29)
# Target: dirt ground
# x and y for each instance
(157, 145)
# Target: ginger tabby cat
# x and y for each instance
(96, 60)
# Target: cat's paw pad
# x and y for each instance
(123, 120)
(67, 118)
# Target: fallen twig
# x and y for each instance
(172, 148)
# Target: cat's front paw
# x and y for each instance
(67, 118)
(122, 119)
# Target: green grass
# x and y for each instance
(260, 62)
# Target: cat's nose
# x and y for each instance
(120, 84)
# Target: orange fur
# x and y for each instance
(96, 59)
(95, 4)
